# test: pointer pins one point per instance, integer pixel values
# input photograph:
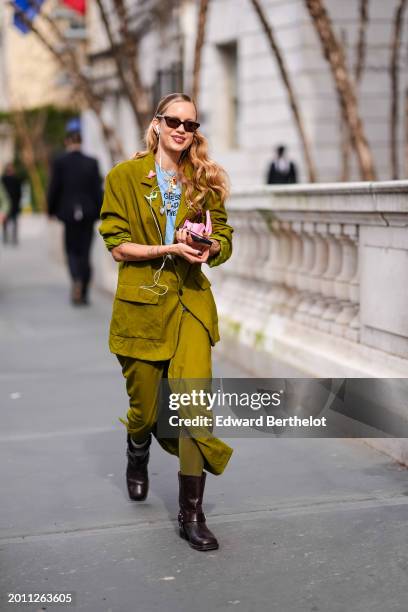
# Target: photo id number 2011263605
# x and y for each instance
(37, 598)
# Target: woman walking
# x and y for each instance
(164, 318)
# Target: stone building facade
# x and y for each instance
(243, 104)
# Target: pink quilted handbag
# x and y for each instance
(200, 228)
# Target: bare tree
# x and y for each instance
(28, 155)
(130, 59)
(69, 63)
(289, 89)
(333, 53)
(200, 36)
(394, 74)
(118, 58)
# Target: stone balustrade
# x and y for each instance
(318, 279)
(317, 286)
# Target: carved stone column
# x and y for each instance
(305, 281)
(353, 330)
(319, 269)
(343, 280)
(328, 279)
(296, 254)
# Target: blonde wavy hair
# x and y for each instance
(207, 175)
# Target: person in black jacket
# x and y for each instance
(75, 198)
(281, 170)
(12, 185)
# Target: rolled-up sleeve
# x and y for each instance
(114, 228)
(221, 230)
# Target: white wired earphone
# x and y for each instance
(157, 274)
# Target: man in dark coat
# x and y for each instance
(281, 170)
(75, 198)
(12, 185)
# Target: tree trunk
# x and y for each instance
(361, 49)
(201, 26)
(28, 156)
(345, 141)
(394, 74)
(406, 133)
(289, 90)
(345, 88)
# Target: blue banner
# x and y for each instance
(25, 10)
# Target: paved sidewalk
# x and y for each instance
(304, 525)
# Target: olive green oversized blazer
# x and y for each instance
(144, 324)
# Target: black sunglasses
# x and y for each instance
(175, 122)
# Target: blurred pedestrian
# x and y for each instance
(75, 198)
(164, 319)
(5, 204)
(282, 170)
(13, 186)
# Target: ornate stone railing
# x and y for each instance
(318, 279)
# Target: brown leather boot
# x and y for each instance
(76, 292)
(191, 517)
(137, 479)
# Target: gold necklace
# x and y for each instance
(171, 185)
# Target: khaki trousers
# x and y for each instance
(191, 360)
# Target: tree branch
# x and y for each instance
(394, 75)
(361, 43)
(131, 55)
(201, 27)
(289, 89)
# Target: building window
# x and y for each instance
(167, 81)
(228, 102)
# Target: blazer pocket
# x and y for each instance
(137, 313)
(135, 293)
(202, 281)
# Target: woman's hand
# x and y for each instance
(191, 253)
(183, 236)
